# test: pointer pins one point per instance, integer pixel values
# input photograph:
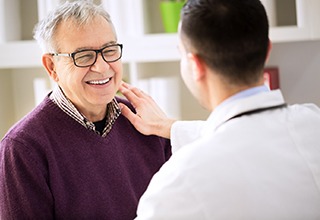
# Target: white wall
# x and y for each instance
(23, 91)
(6, 105)
(299, 67)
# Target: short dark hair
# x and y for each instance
(231, 36)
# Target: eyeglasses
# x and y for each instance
(85, 58)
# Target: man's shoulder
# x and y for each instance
(124, 101)
(33, 120)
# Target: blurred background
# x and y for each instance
(151, 57)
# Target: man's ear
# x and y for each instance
(197, 66)
(49, 65)
(269, 51)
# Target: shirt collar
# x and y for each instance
(112, 113)
(244, 94)
(238, 105)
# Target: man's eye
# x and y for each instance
(84, 56)
(109, 52)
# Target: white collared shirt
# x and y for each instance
(112, 113)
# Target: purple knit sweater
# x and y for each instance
(51, 167)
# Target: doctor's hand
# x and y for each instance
(149, 118)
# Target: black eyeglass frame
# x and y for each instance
(72, 55)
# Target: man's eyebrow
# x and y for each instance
(91, 48)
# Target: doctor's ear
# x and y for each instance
(197, 66)
(49, 65)
(269, 51)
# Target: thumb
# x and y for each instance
(134, 119)
(126, 112)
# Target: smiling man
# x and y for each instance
(75, 156)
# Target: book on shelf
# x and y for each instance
(271, 77)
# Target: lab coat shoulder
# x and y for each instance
(172, 193)
(183, 187)
(185, 132)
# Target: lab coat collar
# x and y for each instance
(260, 100)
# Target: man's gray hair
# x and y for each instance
(81, 12)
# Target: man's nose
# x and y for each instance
(100, 64)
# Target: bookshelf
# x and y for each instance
(149, 53)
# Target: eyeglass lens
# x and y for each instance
(88, 57)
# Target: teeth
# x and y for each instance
(99, 82)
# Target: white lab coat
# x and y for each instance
(264, 165)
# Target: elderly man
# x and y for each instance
(75, 156)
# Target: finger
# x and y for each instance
(136, 97)
(125, 85)
(132, 97)
(138, 92)
(126, 88)
(127, 112)
(134, 119)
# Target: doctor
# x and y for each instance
(255, 157)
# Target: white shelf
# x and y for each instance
(150, 48)
(146, 49)
(161, 47)
(20, 54)
(290, 34)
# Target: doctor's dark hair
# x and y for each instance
(231, 36)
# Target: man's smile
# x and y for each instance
(99, 82)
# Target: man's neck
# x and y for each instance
(220, 91)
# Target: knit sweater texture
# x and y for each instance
(52, 167)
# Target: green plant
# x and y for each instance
(172, 0)
(170, 13)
